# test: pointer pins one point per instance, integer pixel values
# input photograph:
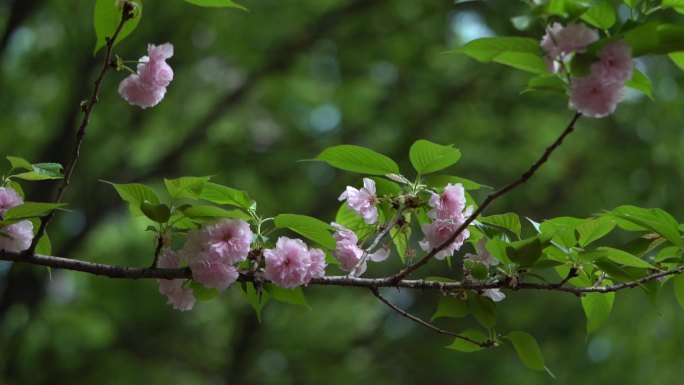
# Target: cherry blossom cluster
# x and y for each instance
(147, 87)
(351, 256)
(598, 93)
(214, 251)
(484, 258)
(448, 214)
(17, 236)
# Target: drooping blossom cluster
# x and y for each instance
(17, 236)
(598, 94)
(448, 214)
(147, 87)
(483, 257)
(363, 201)
(561, 43)
(291, 263)
(213, 251)
(180, 296)
(350, 255)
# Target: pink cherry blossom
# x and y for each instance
(494, 294)
(181, 298)
(17, 236)
(362, 201)
(147, 87)
(213, 271)
(438, 232)
(349, 254)
(230, 239)
(449, 204)
(594, 96)
(8, 199)
(615, 62)
(482, 255)
(559, 43)
(318, 264)
(288, 265)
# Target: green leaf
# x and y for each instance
(292, 296)
(487, 49)
(41, 171)
(159, 213)
(438, 181)
(677, 5)
(624, 258)
(385, 187)
(560, 230)
(524, 252)
(467, 346)
(255, 299)
(509, 221)
(30, 210)
(545, 83)
(135, 194)
(44, 245)
(400, 239)
(678, 59)
(223, 195)
(497, 248)
(529, 62)
(527, 348)
(601, 15)
(641, 83)
(483, 309)
(631, 3)
(353, 221)
(19, 163)
(593, 229)
(450, 307)
(679, 288)
(614, 270)
(358, 159)
(206, 211)
(597, 308)
(106, 19)
(186, 187)
(202, 293)
(216, 3)
(427, 157)
(309, 227)
(651, 219)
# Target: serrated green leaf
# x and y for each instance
(560, 230)
(351, 220)
(641, 83)
(309, 227)
(292, 296)
(159, 213)
(451, 308)
(386, 187)
(19, 163)
(597, 308)
(624, 258)
(527, 348)
(427, 157)
(545, 83)
(593, 229)
(186, 187)
(509, 221)
(488, 48)
(497, 248)
(651, 219)
(135, 194)
(31, 210)
(223, 195)
(358, 159)
(529, 62)
(256, 300)
(439, 181)
(206, 211)
(524, 252)
(400, 239)
(678, 59)
(679, 288)
(613, 270)
(601, 15)
(106, 19)
(216, 3)
(467, 346)
(483, 309)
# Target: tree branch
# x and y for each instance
(428, 325)
(87, 106)
(491, 198)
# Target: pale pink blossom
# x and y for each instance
(180, 297)
(147, 87)
(230, 239)
(8, 199)
(318, 264)
(213, 271)
(350, 255)
(288, 264)
(494, 294)
(379, 255)
(450, 204)
(362, 201)
(17, 236)
(438, 232)
(482, 255)
(594, 96)
(615, 62)
(560, 43)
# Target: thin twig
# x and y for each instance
(87, 106)
(490, 198)
(428, 325)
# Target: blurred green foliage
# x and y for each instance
(254, 92)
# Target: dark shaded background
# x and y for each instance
(253, 93)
